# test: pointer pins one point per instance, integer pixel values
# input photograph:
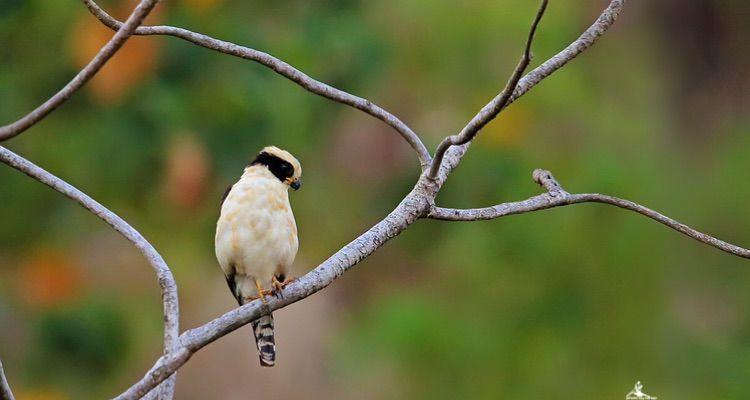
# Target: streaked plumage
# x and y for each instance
(256, 235)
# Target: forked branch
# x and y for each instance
(490, 111)
(587, 39)
(556, 196)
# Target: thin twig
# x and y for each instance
(605, 20)
(587, 39)
(493, 108)
(556, 196)
(106, 52)
(163, 273)
(5, 392)
(282, 68)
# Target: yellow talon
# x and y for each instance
(261, 292)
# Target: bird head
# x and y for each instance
(282, 165)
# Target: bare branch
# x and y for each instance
(106, 52)
(280, 67)
(605, 20)
(536, 203)
(5, 392)
(490, 111)
(414, 206)
(556, 197)
(163, 273)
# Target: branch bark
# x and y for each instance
(280, 67)
(163, 273)
(587, 39)
(118, 40)
(556, 196)
(5, 392)
(490, 111)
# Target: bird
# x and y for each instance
(256, 236)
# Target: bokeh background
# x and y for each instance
(574, 302)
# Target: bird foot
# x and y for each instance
(261, 292)
(279, 286)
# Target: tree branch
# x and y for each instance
(605, 20)
(106, 52)
(163, 273)
(556, 196)
(490, 111)
(5, 392)
(280, 67)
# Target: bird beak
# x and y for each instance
(296, 183)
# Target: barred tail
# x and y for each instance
(263, 331)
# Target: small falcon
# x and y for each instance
(256, 236)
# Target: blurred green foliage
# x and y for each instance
(578, 301)
(86, 342)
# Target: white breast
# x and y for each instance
(256, 233)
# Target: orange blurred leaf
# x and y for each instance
(135, 61)
(187, 171)
(48, 278)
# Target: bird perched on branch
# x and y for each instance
(256, 236)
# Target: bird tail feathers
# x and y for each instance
(264, 340)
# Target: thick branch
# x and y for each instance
(106, 52)
(490, 111)
(5, 392)
(556, 197)
(414, 206)
(163, 273)
(605, 20)
(280, 67)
